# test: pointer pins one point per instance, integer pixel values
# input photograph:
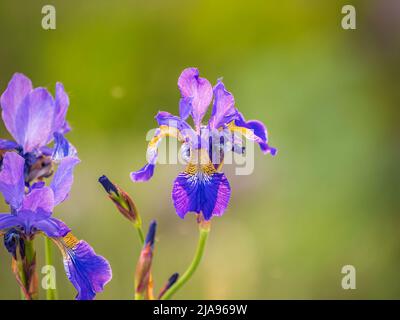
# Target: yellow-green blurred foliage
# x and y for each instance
(330, 100)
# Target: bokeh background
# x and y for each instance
(330, 98)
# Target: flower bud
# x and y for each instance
(121, 200)
(14, 244)
(143, 267)
(172, 279)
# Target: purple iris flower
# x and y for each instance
(202, 188)
(35, 119)
(31, 214)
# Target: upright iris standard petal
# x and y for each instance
(196, 94)
(12, 183)
(200, 188)
(223, 110)
(35, 120)
(18, 88)
(61, 108)
(62, 148)
(253, 130)
(63, 179)
(86, 270)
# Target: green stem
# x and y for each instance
(139, 296)
(51, 294)
(140, 234)
(193, 266)
(30, 256)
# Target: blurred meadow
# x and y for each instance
(329, 97)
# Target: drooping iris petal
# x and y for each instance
(223, 110)
(147, 171)
(144, 174)
(42, 199)
(201, 189)
(61, 108)
(8, 220)
(62, 148)
(52, 227)
(8, 144)
(196, 92)
(63, 179)
(18, 88)
(35, 120)
(253, 130)
(86, 270)
(12, 183)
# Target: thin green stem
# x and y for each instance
(139, 296)
(140, 234)
(51, 294)
(30, 256)
(193, 266)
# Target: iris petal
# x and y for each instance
(62, 148)
(39, 198)
(86, 270)
(52, 227)
(145, 173)
(61, 105)
(35, 120)
(201, 189)
(8, 220)
(223, 110)
(12, 183)
(8, 145)
(18, 88)
(253, 130)
(63, 179)
(197, 91)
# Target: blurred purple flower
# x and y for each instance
(35, 119)
(201, 188)
(31, 213)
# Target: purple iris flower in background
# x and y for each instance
(35, 119)
(31, 214)
(201, 188)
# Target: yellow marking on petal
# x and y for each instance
(249, 134)
(165, 131)
(200, 162)
(70, 240)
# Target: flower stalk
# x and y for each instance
(51, 294)
(204, 230)
(143, 278)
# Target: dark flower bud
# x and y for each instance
(14, 243)
(122, 201)
(172, 279)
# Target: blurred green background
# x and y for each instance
(329, 97)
